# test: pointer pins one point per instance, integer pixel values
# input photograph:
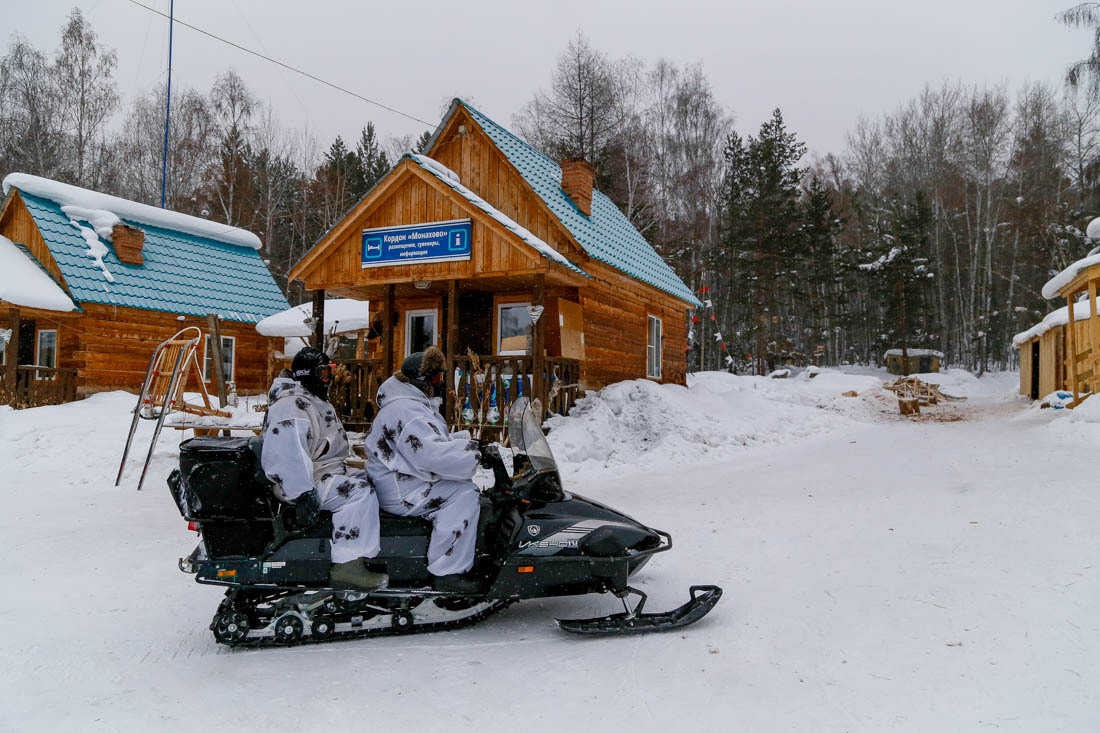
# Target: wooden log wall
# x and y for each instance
(114, 345)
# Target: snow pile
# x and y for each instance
(66, 195)
(342, 315)
(1055, 319)
(96, 249)
(961, 383)
(1063, 278)
(1093, 229)
(22, 281)
(102, 221)
(640, 423)
(451, 179)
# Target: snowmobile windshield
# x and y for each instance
(525, 436)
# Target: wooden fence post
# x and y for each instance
(11, 353)
(319, 315)
(450, 346)
(216, 357)
(538, 348)
(387, 333)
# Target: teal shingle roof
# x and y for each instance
(182, 273)
(607, 235)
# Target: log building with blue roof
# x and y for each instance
(486, 244)
(104, 280)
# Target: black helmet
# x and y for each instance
(424, 369)
(313, 370)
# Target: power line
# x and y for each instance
(286, 66)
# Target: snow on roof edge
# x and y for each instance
(23, 282)
(64, 194)
(440, 171)
(342, 315)
(1054, 319)
(1063, 278)
(914, 352)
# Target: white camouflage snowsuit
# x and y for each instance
(304, 448)
(419, 469)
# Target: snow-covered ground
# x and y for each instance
(880, 574)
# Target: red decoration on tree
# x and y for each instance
(723, 346)
(695, 319)
(712, 317)
(706, 289)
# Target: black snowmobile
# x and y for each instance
(534, 541)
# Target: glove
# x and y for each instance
(485, 454)
(307, 509)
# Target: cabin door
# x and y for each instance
(1035, 369)
(925, 364)
(27, 330)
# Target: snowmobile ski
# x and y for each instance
(703, 599)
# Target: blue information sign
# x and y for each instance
(441, 241)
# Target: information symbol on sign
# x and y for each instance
(456, 241)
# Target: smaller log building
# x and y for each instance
(1062, 352)
(485, 244)
(91, 283)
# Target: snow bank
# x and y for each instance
(451, 179)
(342, 315)
(643, 424)
(1055, 319)
(66, 195)
(1063, 278)
(22, 281)
(961, 383)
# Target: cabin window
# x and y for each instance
(653, 349)
(229, 359)
(47, 352)
(513, 326)
(421, 330)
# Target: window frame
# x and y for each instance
(499, 321)
(413, 313)
(38, 352)
(206, 376)
(651, 347)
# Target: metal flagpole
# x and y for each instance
(168, 104)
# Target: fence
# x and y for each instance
(37, 386)
(481, 396)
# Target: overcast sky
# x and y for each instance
(823, 63)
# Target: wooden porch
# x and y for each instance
(34, 386)
(1082, 346)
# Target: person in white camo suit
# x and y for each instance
(420, 469)
(304, 450)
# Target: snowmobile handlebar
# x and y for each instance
(490, 458)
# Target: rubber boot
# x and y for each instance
(354, 575)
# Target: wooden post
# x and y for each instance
(1094, 336)
(538, 346)
(11, 354)
(450, 346)
(387, 333)
(361, 344)
(216, 356)
(319, 314)
(1072, 348)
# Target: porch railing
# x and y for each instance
(478, 405)
(36, 386)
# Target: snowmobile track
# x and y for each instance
(269, 642)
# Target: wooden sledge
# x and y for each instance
(172, 363)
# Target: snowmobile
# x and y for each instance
(535, 540)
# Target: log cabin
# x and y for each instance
(1062, 351)
(91, 283)
(485, 245)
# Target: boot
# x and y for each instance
(354, 575)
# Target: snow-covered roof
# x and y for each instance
(342, 315)
(23, 282)
(914, 352)
(451, 178)
(1055, 319)
(99, 204)
(1063, 278)
(1093, 229)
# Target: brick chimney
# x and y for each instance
(576, 180)
(128, 242)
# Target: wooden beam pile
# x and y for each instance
(913, 393)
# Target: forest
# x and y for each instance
(935, 227)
